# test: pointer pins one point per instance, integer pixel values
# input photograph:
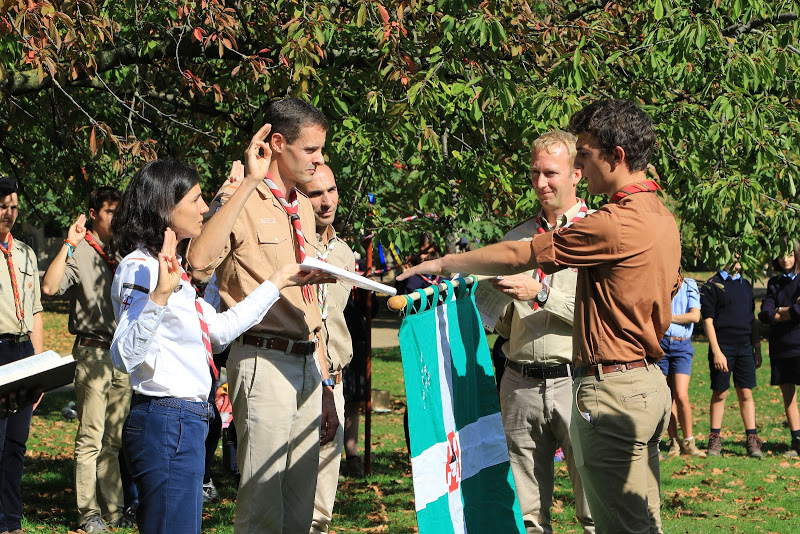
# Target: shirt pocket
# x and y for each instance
(26, 286)
(276, 249)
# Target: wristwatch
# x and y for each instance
(329, 382)
(541, 296)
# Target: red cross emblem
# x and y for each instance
(126, 302)
(453, 469)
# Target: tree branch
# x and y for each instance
(737, 29)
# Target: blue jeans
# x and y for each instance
(165, 450)
(13, 436)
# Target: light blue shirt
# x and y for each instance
(686, 298)
(726, 276)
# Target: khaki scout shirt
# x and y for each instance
(543, 336)
(87, 282)
(29, 293)
(335, 334)
(262, 240)
(627, 255)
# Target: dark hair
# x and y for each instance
(104, 194)
(618, 123)
(146, 207)
(290, 115)
(795, 252)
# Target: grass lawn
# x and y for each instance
(731, 493)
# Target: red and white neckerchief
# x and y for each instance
(292, 207)
(111, 262)
(647, 186)
(541, 221)
(322, 289)
(203, 327)
(6, 250)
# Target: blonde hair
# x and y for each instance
(549, 142)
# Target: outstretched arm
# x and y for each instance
(207, 246)
(508, 257)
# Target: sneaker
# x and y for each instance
(753, 446)
(95, 524)
(690, 447)
(128, 518)
(674, 448)
(714, 444)
(210, 492)
(353, 467)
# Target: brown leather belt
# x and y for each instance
(539, 371)
(14, 338)
(288, 346)
(610, 368)
(336, 375)
(91, 342)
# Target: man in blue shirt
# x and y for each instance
(677, 366)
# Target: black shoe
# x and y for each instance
(353, 467)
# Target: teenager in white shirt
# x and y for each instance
(164, 339)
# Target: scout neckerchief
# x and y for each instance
(112, 263)
(292, 206)
(540, 223)
(322, 289)
(203, 327)
(648, 186)
(14, 287)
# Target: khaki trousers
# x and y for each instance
(103, 398)
(536, 417)
(330, 456)
(277, 406)
(617, 422)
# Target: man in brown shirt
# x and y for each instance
(83, 270)
(627, 255)
(332, 298)
(274, 381)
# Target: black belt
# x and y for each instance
(537, 371)
(289, 346)
(84, 341)
(14, 338)
(198, 408)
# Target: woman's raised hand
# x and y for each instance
(169, 269)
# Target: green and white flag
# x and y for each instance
(462, 477)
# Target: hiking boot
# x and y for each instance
(674, 448)
(690, 447)
(210, 492)
(753, 446)
(353, 467)
(95, 524)
(794, 449)
(128, 518)
(714, 444)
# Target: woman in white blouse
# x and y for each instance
(164, 339)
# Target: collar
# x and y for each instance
(725, 276)
(791, 275)
(564, 218)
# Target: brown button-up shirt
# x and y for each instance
(335, 334)
(262, 240)
(87, 282)
(627, 255)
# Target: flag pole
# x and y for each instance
(368, 378)
(398, 302)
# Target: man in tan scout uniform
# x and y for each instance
(84, 270)
(536, 390)
(332, 298)
(276, 384)
(627, 254)
(21, 335)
